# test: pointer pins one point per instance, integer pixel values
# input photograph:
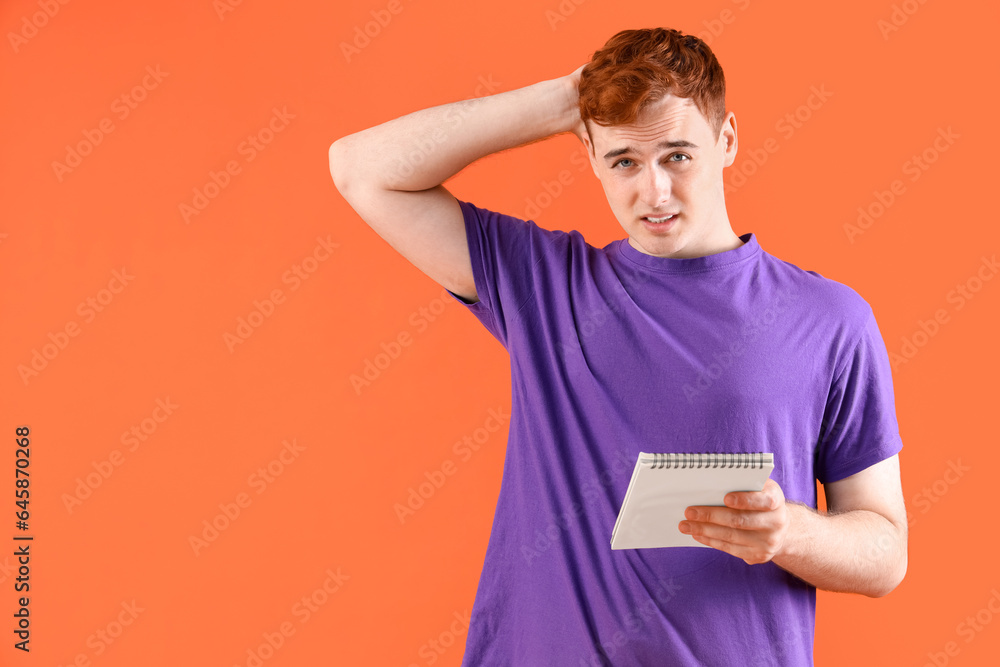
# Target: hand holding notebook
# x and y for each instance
(664, 485)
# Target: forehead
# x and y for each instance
(668, 119)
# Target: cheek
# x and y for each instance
(612, 188)
(621, 198)
(693, 184)
(620, 186)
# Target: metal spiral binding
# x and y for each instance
(711, 460)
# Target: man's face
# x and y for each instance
(669, 161)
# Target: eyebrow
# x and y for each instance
(680, 143)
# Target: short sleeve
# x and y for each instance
(504, 251)
(859, 425)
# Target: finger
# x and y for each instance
(714, 535)
(730, 518)
(749, 554)
(741, 544)
(716, 543)
(760, 501)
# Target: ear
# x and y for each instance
(728, 139)
(591, 150)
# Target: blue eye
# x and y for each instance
(669, 159)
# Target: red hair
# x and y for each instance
(637, 67)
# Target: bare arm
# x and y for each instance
(857, 546)
(391, 174)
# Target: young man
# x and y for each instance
(682, 337)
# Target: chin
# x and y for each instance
(660, 244)
(662, 247)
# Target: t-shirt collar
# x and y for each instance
(749, 249)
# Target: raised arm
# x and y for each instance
(391, 174)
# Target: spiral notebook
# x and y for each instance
(664, 485)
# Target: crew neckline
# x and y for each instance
(749, 249)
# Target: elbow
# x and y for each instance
(336, 157)
(344, 165)
(345, 170)
(889, 583)
(899, 574)
(895, 574)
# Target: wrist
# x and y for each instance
(797, 533)
(567, 103)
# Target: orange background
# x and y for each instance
(332, 505)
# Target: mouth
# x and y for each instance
(661, 219)
(660, 224)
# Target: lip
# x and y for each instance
(660, 226)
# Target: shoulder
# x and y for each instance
(820, 296)
(525, 234)
(828, 316)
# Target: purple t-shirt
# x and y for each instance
(614, 352)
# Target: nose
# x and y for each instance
(655, 186)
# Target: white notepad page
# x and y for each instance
(664, 485)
